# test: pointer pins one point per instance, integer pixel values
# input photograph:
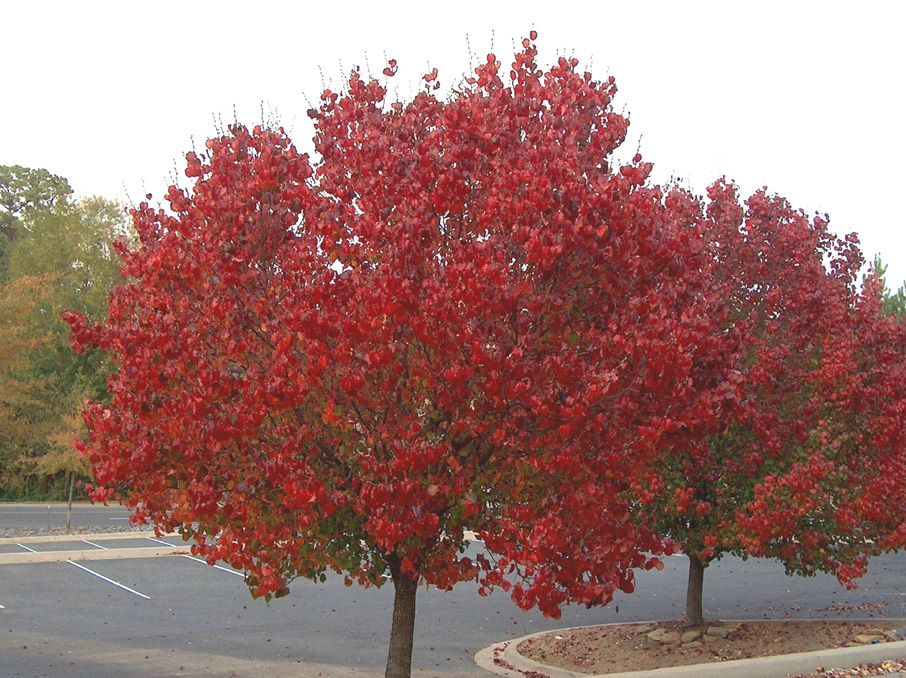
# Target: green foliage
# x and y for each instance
(60, 259)
(24, 191)
(894, 303)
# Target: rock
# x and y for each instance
(718, 631)
(709, 639)
(657, 634)
(644, 628)
(671, 638)
(691, 636)
(694, 643)
(866, 638)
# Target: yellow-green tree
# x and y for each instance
(21, 411)
(60, 259)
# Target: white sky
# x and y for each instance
(802, 97)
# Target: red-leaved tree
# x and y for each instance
(809, 463)
(462, 318)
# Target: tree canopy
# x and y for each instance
(22, 191)
(466, 317)
(60, 258)
(462, 318)
(803, 466)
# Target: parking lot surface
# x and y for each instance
(176, 616)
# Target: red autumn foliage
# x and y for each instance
(461, 318)
(809, 464)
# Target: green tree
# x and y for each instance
(61, 259)
(894, 302)
(23, 191)
(20, 411)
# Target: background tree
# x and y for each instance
(894, 302)
(796, 471)
(21, 412)
(348, 366)
(61, 259)
(24, 190)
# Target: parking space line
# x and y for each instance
(198, 560)
(109, 581)
(98, 546)
(2, 607)
(26, 548)
(218, 567)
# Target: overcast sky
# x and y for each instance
(805, 98)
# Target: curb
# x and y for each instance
(93, 554)
(78, 536)
(55, 504)
(86, 554)
(503, 659)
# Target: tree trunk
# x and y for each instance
(694, 615)
(399, 658)
(69, 509)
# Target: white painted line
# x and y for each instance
(109, 581)
(21, 557)
(218, 567)
(159, 541)
(131, 534)
(97, 546)
(26, 548)
(2, 607)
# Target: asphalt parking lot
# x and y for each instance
(144, 617)
(164, 616)
(174, 616)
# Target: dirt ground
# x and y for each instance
(637, 647)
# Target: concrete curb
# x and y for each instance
(55, 504)
(93, 554)
(86, 554)
(503, 659)
(78, 536)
